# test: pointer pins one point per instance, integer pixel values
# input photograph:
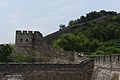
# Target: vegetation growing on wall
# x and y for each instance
(22, 58)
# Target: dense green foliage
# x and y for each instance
(90, 16)
(5, 52)
(98, 38)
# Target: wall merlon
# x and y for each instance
(101, 58)
(24, 31)
(114, 58)
(30, 32)
(27, 32)
(107, 58)
(36, 32)
(18, 31)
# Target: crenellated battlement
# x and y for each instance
(108, 59)
(24, 32)
(106, 67)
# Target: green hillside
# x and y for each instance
(96, 38)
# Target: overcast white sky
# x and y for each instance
(45, 15)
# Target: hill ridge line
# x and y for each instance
(50, 37)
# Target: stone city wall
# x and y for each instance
(107, 67)
(37, 71)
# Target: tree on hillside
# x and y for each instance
(5, 52)
(82, 19)
(90, 16)
(62, 26)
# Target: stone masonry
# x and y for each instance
(32, 43)
(107, 67)
(37, 71)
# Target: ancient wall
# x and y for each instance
(27, 38)
(107, 67)
(36, 71)
(49, 56)
(29, 43)
(24, 38)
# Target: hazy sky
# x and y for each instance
(45, 15)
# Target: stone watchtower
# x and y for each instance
(28, 39)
